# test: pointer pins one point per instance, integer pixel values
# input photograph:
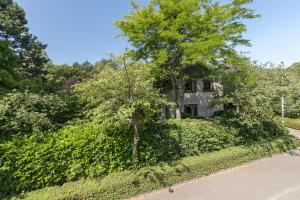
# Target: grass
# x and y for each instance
(293, 123)
(127, 184)
(290, 122)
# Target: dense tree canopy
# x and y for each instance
(250, 93)
(26, 112)
(177, 33)
(292, 90)
(8, 65)
(63, 77)
(122, 95)
(13, 28)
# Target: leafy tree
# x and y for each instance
(293, 71)
(13, 28)
(111, 61)
(26, 112)
(292, 90)
(292, 100)
(123, 95)
(245, 85)
(8, 63)
(254, 92)
(280, 82)
(175, 34)
(63, 77)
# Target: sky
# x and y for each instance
(80, 30)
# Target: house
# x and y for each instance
(197, 99)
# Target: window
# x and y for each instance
(191, 110)
(207, 86)
(190, 87)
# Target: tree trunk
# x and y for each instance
(180, 86)
(178, 112)
(178, 93)
(136, 139)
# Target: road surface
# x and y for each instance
(274, 178)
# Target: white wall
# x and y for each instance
(202, 99)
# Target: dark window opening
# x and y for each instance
(191, 110)
(190, 87)
(207, 86)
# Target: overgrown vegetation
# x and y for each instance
(62, 123)
(122, 185)
(26, 112)
(46, 159)
(135, 103)
(292, 91)
(90, 151)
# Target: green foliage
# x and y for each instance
(247, 130)
(253, 94)
(194, 31)
(63, 77)
(40, 160)
(292, 90)
(26, 112)
(121, 94)
(44, 160)
(257, 90)
(8, 65)
(32, 57)
(111, 62)
(197, 136)
(294, 70)
(176, 38)
(123, 185)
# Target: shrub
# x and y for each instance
(199, 136)
(74, 152)
(260, 131)
(26, 112)
(249, 132)
(123, 185)
(39, 160)
(32, 162)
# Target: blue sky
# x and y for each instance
(80, 30)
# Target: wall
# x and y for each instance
(202, 99)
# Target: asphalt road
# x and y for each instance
(274, 178)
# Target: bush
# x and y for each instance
(74, 152)
(123, 185)
(199, 136)
(31, 162)
(261, 131)
(26, 112)
(249, 132)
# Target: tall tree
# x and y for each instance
(249, 94)
(63, 77)
(122, 95)
(8, 64)
(178, 33)
(13, 28)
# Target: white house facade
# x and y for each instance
(197, 99)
